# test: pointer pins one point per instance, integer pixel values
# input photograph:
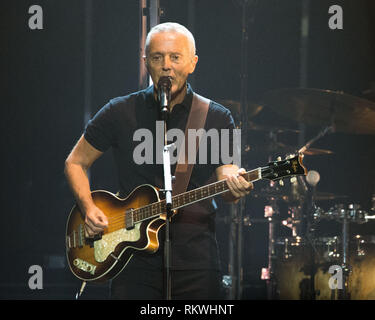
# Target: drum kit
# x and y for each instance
(316, 253)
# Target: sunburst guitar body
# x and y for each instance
(103, 257)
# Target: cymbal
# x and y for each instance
(317, 152)
(326, 196)
(267, 128)
(347, 113)
(280, 147)
(235, 106)
(286, 195)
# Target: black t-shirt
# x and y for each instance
(193, 227)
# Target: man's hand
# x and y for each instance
(95, 222)
(237, 184)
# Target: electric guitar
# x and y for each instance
(134, 222)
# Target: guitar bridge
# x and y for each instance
(129, 219)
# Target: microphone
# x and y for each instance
(164, 92)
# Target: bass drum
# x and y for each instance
(302, 269)
(362, 276)
(295, 265)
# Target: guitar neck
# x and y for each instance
(190, 197)
(208, 191)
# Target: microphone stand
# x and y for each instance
(168, 205)
(168, 201)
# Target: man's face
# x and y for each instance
(169, 54)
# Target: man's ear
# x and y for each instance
(145, 62)
(193, 63)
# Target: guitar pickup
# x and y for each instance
(68, 242)
(90, 241)
(129, 219)
(81, 235)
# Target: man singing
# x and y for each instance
(195, 267)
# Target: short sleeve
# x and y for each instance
(221, 119)
(100, 131)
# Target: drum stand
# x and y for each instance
(343, 293)
(268, 273)
(309, 235)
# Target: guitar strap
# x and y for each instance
(196, 120)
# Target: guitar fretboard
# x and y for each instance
(189, 197)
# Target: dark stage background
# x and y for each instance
(43, 112)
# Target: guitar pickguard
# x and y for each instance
(107, 244)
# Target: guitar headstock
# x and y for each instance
(284, 168)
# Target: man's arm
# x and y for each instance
(78, 162)
(237, 184)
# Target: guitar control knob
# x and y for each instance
(278, 159)
(281, 182)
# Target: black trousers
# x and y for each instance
(148, 284)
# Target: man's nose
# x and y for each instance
(167, 63)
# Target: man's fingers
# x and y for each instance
(240, 183)
(241, 171)
(239, 186)
(234, 186)
(89, 233)
(99, 222)
(247, 185)
(95, 223)
(99, 226)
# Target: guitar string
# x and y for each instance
(150, 211)
(159, 205)
(118, 220)
(177, 199)
(145, 209)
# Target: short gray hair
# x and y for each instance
(171, 27)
